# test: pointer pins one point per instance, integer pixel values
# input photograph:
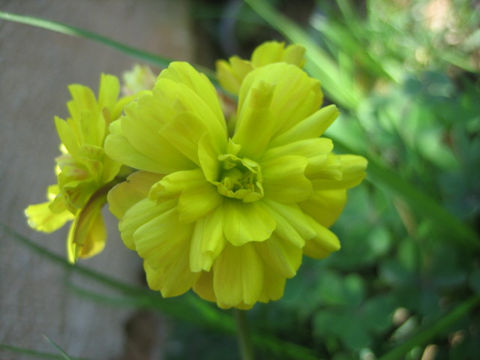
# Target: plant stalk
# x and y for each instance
(243, 336)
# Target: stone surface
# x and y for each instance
(36, 296)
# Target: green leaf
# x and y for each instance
(81, 33)
(382, 176)
(64, 355)
(430, 332)
(380, 241)
(457, 58)
(355, 289)
(458, 231)
(377, 313)
(34, 354)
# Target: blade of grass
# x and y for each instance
(282, 349)
(436, 328)
(184, 308)
(188, 307)
(62, 352)
(343, 39)
(81, 33)
(458, 59)
(180, 308)
(319, 63)
(34, 353)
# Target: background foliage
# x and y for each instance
(406, 76)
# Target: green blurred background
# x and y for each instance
(405, 74)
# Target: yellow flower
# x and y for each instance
(83, 170)
(231, 73)
(229, 217)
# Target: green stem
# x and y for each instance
(82, 33)
(243, 335)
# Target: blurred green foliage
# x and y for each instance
(399, 278)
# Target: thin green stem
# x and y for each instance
(243, 335)
(33, 353)
(65, 29)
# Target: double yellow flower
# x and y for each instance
(227, 215)
(83, 170)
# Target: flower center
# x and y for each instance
(239, 178)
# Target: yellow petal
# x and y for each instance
(111, 169)
(268, 53)
(238, 276)
(226, 77)
(240, 67)
(310, 127)
(41, 218)
(197, 202)
(208, 158)
(96, 238)
(284, 179)
(328, 170)
(294, 54)
(139, 214)
(177, 98)
(231, 74)
(87, 235)
(325, 206)
(119, 149)
(273, 285)
(87, 118)
(295, 217)
(172, 280)
(323, 243)
(165, 246)
(309, 148)
(82, 98)
(196, 197)
(185, 74)
(280, 255)
(288, 232)
(351, 170)
(124, 195)
(141, 127)
(295, 96)
(203, 287)
(246, 222)
(184, 133)
(66, 135)
(254, 117)
(161, 237)
(207, 241)
(166, 125)
(108, 90)
(170, 186)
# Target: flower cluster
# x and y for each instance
(83, 170)
(229, 214)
